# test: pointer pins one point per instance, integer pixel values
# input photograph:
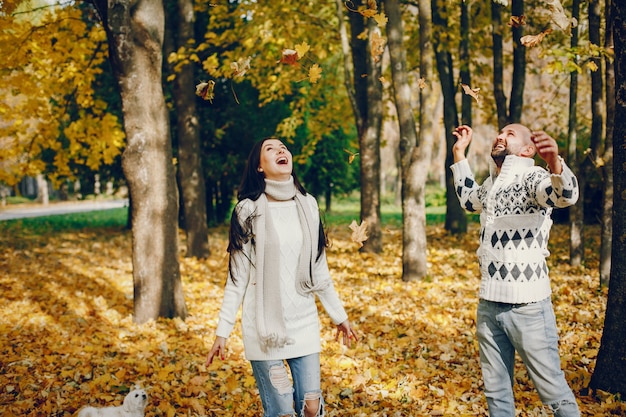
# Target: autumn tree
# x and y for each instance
(611, 362)
(135, 36)
(52, 121)
(414, 155)
(187, 131)
(456, 219)
(365, 91)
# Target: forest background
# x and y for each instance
(365, 94)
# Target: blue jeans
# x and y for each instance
(279, 395)
(530, 329)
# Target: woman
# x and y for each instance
(277, 265)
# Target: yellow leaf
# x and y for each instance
(473, 92)
(302, 49)
(381, 19)
(315, 73)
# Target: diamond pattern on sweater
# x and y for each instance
(519, 271)
(505, 239)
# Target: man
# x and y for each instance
(515, 309)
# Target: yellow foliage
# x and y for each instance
(55, 66)
(69, 339)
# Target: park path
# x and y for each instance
(18, 211)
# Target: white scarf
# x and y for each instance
(269, 312)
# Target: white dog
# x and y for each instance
(134, 405)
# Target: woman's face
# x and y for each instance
(275, 161)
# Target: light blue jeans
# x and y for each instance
(530, 329)
(281, 397)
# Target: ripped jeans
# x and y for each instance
(530, 329)
(281, 397)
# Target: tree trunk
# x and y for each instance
(498, 64)
(135, 34)
(190, 171)
(456, 218)
(414, 250)
(607, 158)
(576, 212)
(365, 94)
(610, 366)
(464, 70)
(516, 103)
(518, 82)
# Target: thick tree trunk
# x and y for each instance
(607, 158)
(135, 34)
(456, 218)
(610, 366)
(190, 171)
(366, 98)
(414, 250)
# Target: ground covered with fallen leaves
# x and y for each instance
(67, 338)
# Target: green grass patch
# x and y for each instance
(111, 218)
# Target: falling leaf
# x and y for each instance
(302, 49)
(205, 90)
(359, 232)
(352, 156)
(421, 83)
(534, 40)
(381, 19)
(240, 67)
(473, 92)
(378, 46)
(558, 15)
(289, 57)
(517, 21)
(315, 73)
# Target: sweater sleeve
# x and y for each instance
(328, 295)
(554, 190)
(466, 187)
(235, 289)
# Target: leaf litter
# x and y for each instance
(68, 339)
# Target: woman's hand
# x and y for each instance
(219, 348)
(348, 333)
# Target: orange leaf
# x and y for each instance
(289, 57)
(517, 21)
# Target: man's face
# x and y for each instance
(513, 139)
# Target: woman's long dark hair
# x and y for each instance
(252, 186)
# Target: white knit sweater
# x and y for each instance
(300, 312)
(515, 221)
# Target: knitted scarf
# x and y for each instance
(269, 311)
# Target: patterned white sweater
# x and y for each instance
(300, 312)
(515, 209)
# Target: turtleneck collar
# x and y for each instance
(280, 190)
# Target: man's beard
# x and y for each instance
(499, 155)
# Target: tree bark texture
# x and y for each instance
(610, 366)
(607, 158)
(576, 212)
(135, 34)
(368, 110)
(414, 248)
(190, 170)
(456, 218)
